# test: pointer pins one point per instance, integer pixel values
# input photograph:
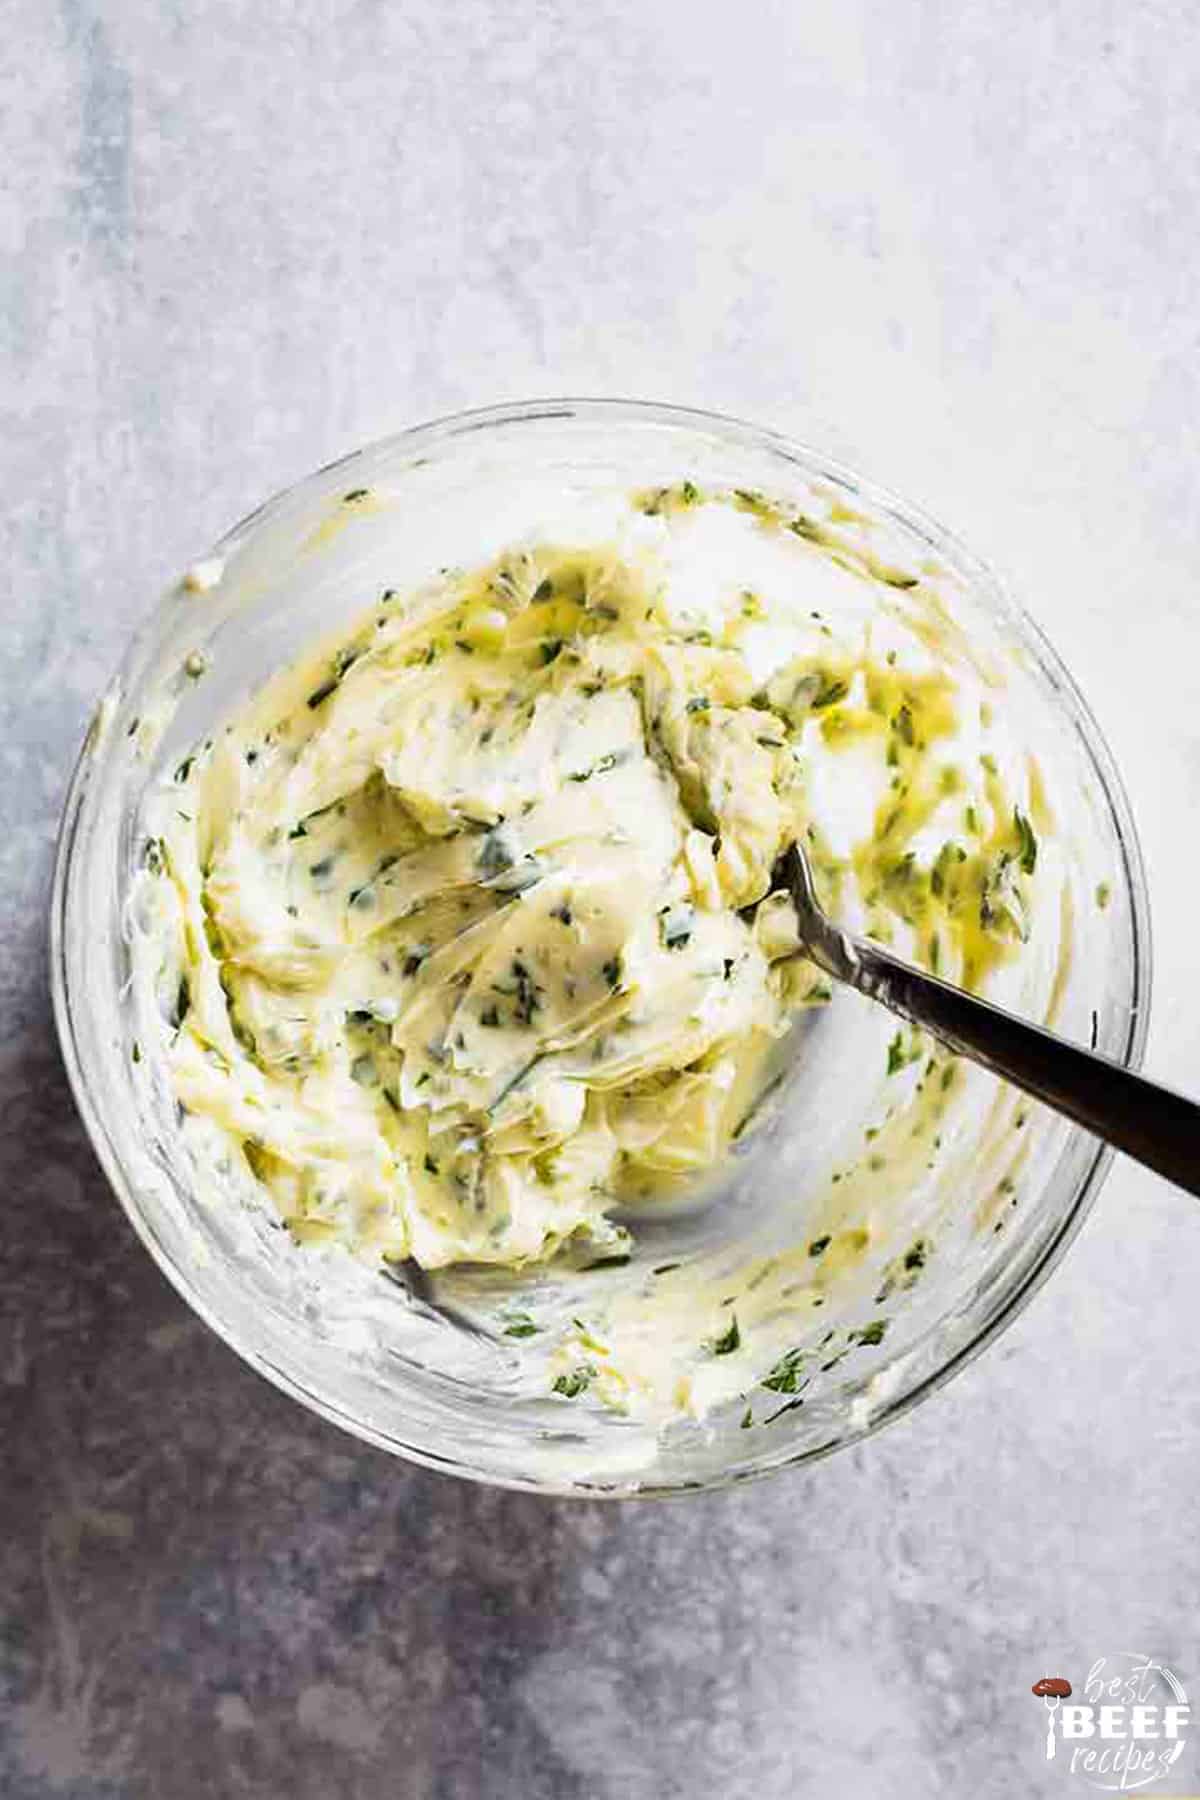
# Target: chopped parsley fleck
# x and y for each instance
(729, 1340)
(819, 1246)
(900, 1055)
(520, 1325)
(527, 993)
(872, 1333)
(788, 1374)
(573, 1384)
(183, 1001)
(1027, 844)
(612, 759)
(344, 660)
(829, 693)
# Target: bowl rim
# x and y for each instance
(810, 458)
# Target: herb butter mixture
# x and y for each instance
(471, 934)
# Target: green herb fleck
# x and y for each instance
(787, 1375)
(344, 660)
(729, 1340)
(829, 693)
(1027, 845)
(610, 760)
(819, 1246)
(183, 1001)
(527, 993)
(574, 1383)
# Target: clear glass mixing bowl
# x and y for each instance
(376, 1357)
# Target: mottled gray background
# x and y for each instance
(956, 242)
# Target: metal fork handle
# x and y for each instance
(1150, 1123)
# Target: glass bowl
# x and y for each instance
(420, 1369)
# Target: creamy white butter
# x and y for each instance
(463, 929)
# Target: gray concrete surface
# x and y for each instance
(956, 243)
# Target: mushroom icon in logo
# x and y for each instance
(1053, 1690)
